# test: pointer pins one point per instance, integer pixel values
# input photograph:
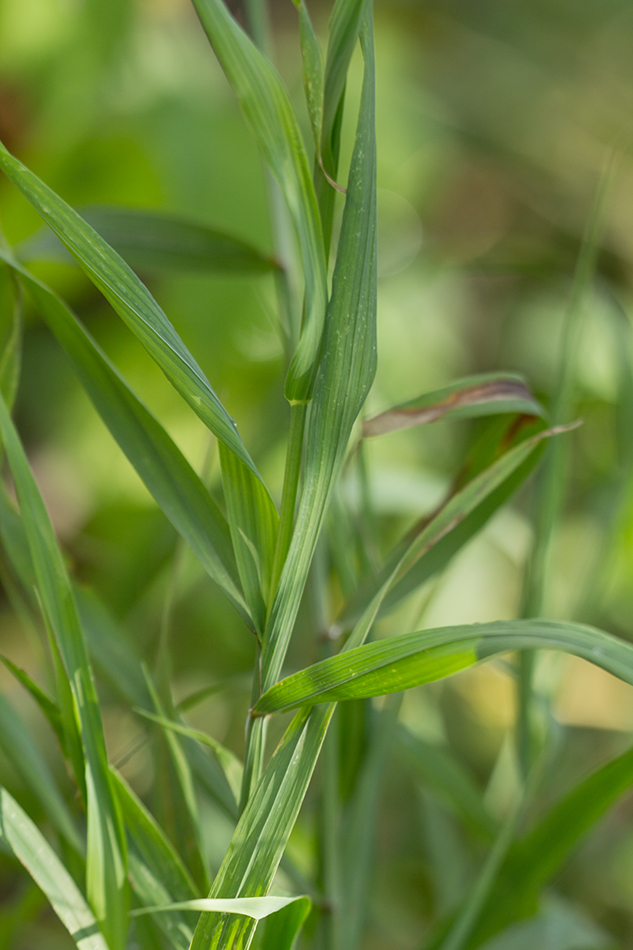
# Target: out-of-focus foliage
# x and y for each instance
(495, 121)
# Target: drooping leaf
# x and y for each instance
(281, 929)
(177, 489)
(483, 395)
(312, 72)
(106, 857)
(23, 839)
(397, 663)
(256, 908)
(155, 240)
(268, 112)
(131, 300)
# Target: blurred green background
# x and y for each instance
(495, 121)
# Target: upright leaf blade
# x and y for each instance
(106, 858)
(263, 830)
(346, 371)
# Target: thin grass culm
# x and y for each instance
(286, 695)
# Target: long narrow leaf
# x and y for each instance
(131, 300)
(27, 760)
(484, 395)
(257, 908)
(153, 239)
(157, 873)
(25, 841)
(253, 521)
(177, 489)
(397, 663)
(534, 860)
(106, 859)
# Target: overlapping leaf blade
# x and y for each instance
(131, 300)
(263, 830)
(106, 858)
(23, 839)
(168, 476)
(346, 371)
(269, 115)
(397, 663)
(153, 239)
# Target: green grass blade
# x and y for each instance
(263, 830)
(459, 506)
(312, 72)
(156, 240)
(10, 334)
(184, 775)
(23, 839)
(177, 489)
(21, 751)
(344, 27)
(346, 372)
(257, 908)
(157, 873)
(46, 704)
(446, 777)
(429, 547)
(281, 930)
(131, 300)
(253, 521)
(269, 115)
(231, 765)
(397, 663)
(534, 860)
(106, 860)
(484, 395)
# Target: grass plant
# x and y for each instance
(120, 874)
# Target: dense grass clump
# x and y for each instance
(436, 607)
